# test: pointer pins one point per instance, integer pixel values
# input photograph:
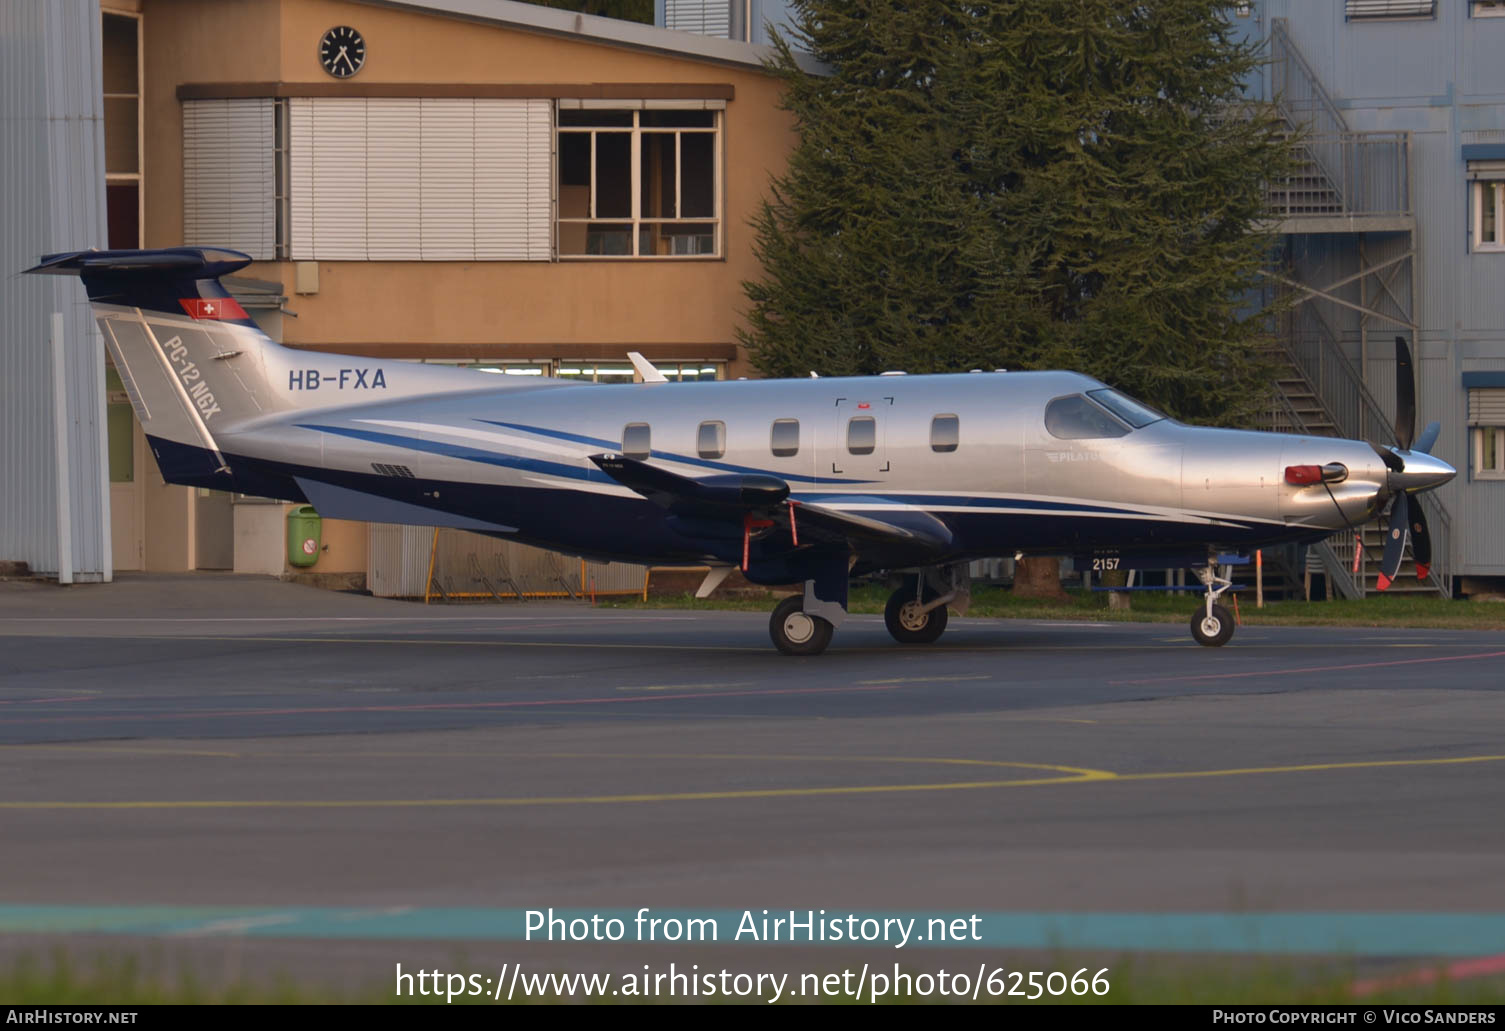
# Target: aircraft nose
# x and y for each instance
(1422, 472)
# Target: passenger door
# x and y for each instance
(860, 442)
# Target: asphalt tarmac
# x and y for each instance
(278, 760)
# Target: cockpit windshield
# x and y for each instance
(1125, 407)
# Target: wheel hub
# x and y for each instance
(911, 618)
(798, 627)
(1211, 625)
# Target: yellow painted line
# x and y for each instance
(1076, 776)
(1371, 764)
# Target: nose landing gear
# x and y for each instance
(1212, 625)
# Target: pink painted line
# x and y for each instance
(435, 706)
(1313, 669)
(1460, 971)
(39, 701)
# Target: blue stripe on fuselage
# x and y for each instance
(469, 454)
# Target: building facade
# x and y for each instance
(480, 182)
(1392, 227)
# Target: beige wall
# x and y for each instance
(519, 308)
(506, 309)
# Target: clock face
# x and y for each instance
(342, 51)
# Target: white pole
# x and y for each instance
(101, 419)
(60, 454)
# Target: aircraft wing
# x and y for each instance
(881, 532)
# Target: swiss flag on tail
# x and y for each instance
(213, 308)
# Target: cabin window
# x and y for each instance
(635, 441)
(945, 433)
(1076, 418)
(862, 435)
(710, 440)
(786, 437)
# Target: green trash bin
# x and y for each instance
(304, 533)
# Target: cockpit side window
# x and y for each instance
(1076, 418)
(1135, 413)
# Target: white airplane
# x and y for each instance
(807, 481)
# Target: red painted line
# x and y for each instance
(436, 706)
(1313, 669)
(1459, 971)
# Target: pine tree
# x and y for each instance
(1021, 184)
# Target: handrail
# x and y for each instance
(1300, 96)
(1362, 173)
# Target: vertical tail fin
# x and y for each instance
(189, 356)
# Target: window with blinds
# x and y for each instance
(230, 175)
(1391, 8)
(1486, 406)
(432, 179)
(1486, 420)
(704, 17)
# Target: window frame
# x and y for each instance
(871, 446)
(1349, 14)
(1476, 220)
(1479, 469)
(636, 454)
(637, 220)
(942, 448)
(137, 177)
(1477, 9)
(719, 429)
(773, 438)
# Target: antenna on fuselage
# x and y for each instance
(646, 369)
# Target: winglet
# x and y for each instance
(645, 369)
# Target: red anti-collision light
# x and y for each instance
(1301, 475)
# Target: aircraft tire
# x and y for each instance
(1212, 632)
(795, 633)
(907, 628)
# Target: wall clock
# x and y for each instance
(342, 51)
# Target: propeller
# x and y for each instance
(1406, 519)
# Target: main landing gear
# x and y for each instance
(796, 632)
(1211, 624)
(916, 613)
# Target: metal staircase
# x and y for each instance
(1311, 368)
(1342, 182)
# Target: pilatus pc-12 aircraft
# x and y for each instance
(806, 481)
